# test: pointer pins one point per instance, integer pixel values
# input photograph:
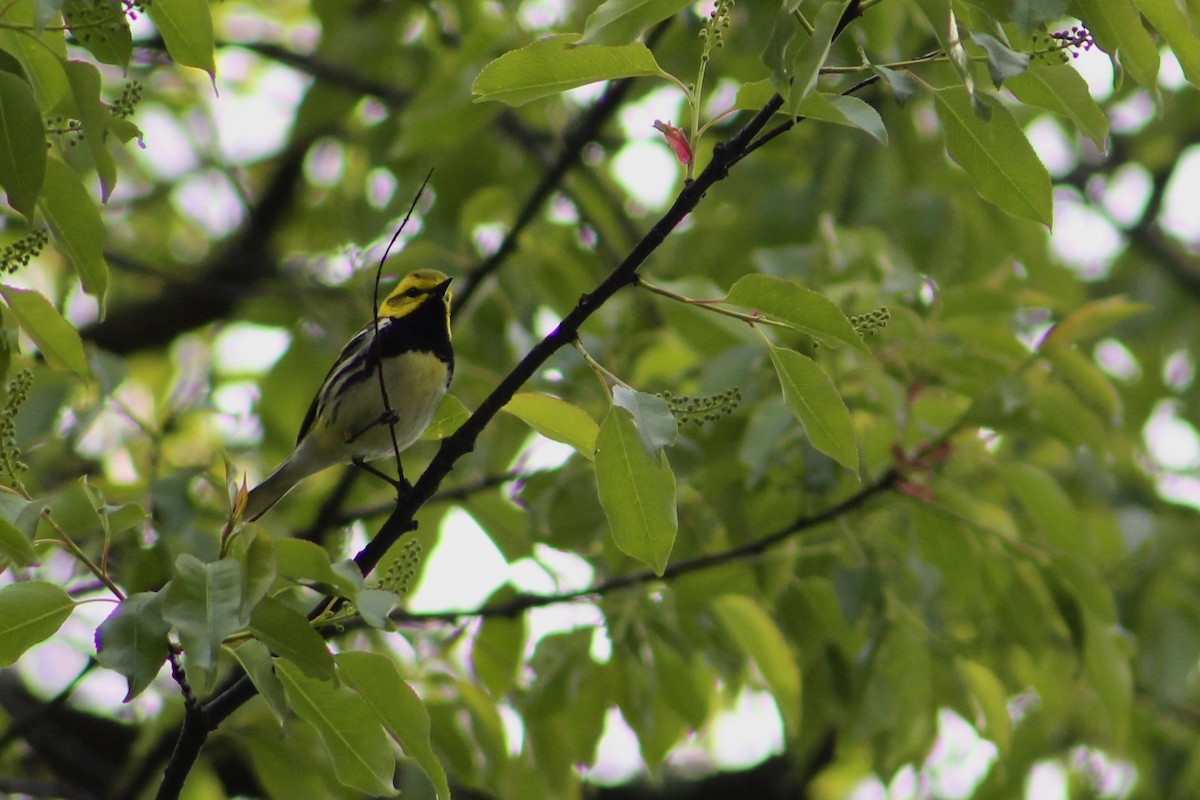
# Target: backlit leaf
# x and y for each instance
(556, 419)
(637, 491)
(812, 397)
(557, 63)
(803, 309)
(30, 613)
(133, 640)
(22, 144)
(57, 340)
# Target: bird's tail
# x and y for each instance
(272, 490)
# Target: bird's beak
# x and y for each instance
(442, 289)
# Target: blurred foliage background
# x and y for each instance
(1017, 546)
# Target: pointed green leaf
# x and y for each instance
(255, 659)
(204, 603)
(102, 30)
(1106, 658)
(812, 397)
(450, 415)
(75, 223)
(844, 110)
(1061, 89)
(1118, 29)
(30, 613)
(1091, 385)
(814, 52)
(652, 415)
(996, 156)
(133, 640)
(308, 563)
(356, 742)
(992, 702)
(15, 545)
(498, 650)
(748, 624)
(637, 491)
(1002, 61)
(377, 681)
(555, 64)
(22, 144)
(374, 606)
(622, 21)
(288, 634)
(187, 30)
(1091, 320)
(40, 56)
(94, 116)
(556, 419)
(807, 311)
(1168, 19)
(57, 340)
(775, 54)
(1048, 506)
(940, 14)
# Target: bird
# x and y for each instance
(348, 420)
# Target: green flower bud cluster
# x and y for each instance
(10, 453)
(19, 253)
(124, 106)
(398, 576)
(700, 410)
(95, 20)
(713, 32)
(872, 322)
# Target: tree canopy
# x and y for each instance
(863, 331)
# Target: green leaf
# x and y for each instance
(802, 309)
(556, 419)
(900, 82)
(102, 30)
(1168, 19)
(75, 222)
(450, 415)
(30, 613)
(94, 116)
(992, 701)
(1086, 379)
(812, 397)
(308, 563)
(133, 640)
(58, 342)
(1062, 90)
(288, 634)
(39, 56)
(844, 110)
(940, 14)
(1050, 508)
(556, 64)
(622, 21)
(814, 52)
(356, 742)
(375, 606)
(22, 144)
(204, 603)
(656, 425)
(1117, 28)
(1002, 61)
(1092, 319)
(15, 545)
(774, 55)
(1106, 658)
(996, 156)
(377, 681)
(748, 624)
(637, 491)
(498, 650)
(255, 659)
(187, 30)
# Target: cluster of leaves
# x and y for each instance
(874, 527)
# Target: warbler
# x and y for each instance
(348, 421)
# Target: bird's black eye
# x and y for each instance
(413, 292)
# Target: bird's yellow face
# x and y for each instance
(415, 289)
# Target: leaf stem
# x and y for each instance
(69, 545)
